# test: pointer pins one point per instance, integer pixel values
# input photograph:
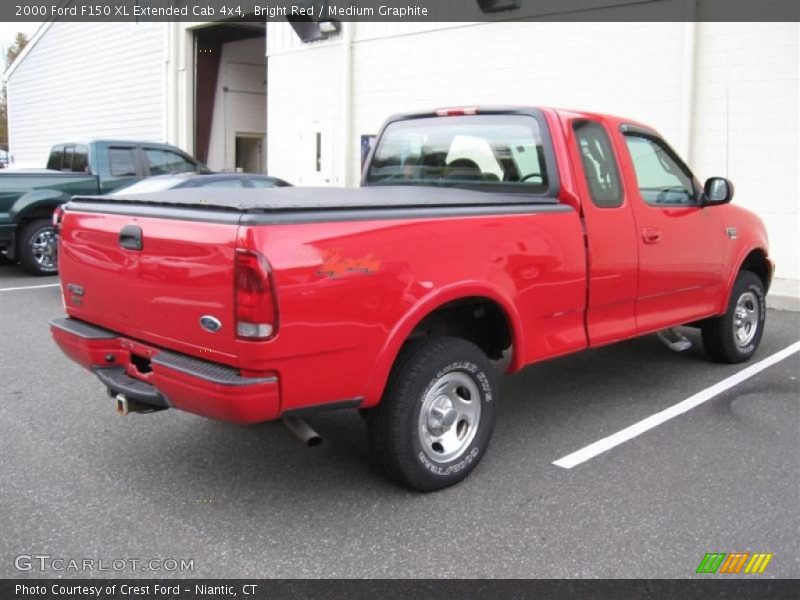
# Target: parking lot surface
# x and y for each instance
(78, 481)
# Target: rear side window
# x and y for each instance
(56, 158)
(599, 164)
(80, 160)
(69, 151)
(164, 162)
(122, 162)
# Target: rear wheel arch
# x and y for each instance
(436, 316)
(476, 319)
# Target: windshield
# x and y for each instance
(482, 152)
(153, 184)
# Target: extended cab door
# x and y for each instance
(680, 244)
(611, 244)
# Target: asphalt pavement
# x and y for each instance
(79, 482)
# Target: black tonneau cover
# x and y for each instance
(282, 199)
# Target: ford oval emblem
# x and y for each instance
(210, 323)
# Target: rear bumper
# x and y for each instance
(158, 377)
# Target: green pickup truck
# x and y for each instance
(28, 197)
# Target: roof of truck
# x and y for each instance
(511, 109)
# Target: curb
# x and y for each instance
(783, 302)
(784, 294)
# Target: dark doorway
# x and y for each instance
(249, 153)
(208, 50)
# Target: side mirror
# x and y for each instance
(717, 190)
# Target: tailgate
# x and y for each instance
(168, 288)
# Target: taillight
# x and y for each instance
(256, 307)
(58, 214)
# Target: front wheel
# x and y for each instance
(436, 416)
(37, 248)
(734, 337)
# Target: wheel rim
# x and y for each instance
(43, 248)
(745, 319)
(450, 416)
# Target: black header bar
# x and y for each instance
(234, 11)
(394, 589)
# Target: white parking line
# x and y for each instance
(600, 446)
(29, 287)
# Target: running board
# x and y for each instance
(674, 340)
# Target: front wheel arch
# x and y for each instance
(757, 263)
(34, 248)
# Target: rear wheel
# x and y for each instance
(37, 247)
(734, 337)
(436, 417)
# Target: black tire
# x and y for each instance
(459, 370)
(31, 258)
(720, 334)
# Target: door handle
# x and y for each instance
(651, 235)
(130, 237)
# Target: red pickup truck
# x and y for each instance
(477, 233)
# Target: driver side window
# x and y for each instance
(662, 180)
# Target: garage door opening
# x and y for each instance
(231, 96)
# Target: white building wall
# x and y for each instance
(240, 102)
(84, 80)
(745, 118)
(637, 70)
(304, 91)
(401, 67)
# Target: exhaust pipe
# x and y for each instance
(126, 406)
(123, 407)
(303, 431)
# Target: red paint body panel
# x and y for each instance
(343, 328)
(185, 270)
(350, 292)
(612, 251)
